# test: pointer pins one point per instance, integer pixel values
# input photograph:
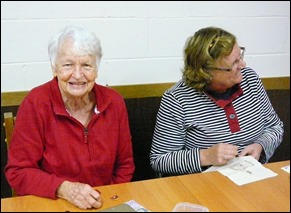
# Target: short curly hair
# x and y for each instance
(202, 50)
(85, 42)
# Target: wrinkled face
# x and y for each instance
(76, 73)
(233, 63)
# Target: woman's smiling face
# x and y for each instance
(76, 73)
(222, 80)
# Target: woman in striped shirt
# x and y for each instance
(219, 110)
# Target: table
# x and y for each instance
(159, 194)
(212, 190)
(220, 194)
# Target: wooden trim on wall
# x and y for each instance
(144, 90)
(12, 98)
(276, 83)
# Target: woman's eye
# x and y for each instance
(87, 67)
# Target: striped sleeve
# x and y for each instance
(168, 153)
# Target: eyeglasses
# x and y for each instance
(242, 53)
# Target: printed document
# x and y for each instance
(243, 170)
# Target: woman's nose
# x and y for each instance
(78, 72)
(242, 63)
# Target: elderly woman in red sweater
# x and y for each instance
(71, 134)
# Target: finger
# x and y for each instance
(243, 153)
(92, 202)
(97, 204)
(96, 194)
(222, 160)
(226, 158)
(82, 205)
(233, 150)
(257, 157)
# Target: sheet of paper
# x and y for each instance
(286, 168)
(123, 207)
(129, 206)
(136, 206)
(243, 170)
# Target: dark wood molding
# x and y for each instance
(276, 83)
(144, 90)
(12, 98)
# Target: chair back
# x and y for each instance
(8, 124)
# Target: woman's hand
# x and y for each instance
(253, 150)
(218, 154)
(80, 194)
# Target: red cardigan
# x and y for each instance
(48, 146)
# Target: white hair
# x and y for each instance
(85, 42)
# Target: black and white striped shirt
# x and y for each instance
(188, 121)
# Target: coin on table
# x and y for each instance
(114, 197)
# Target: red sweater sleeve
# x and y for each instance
(25, 153)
